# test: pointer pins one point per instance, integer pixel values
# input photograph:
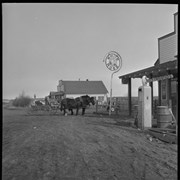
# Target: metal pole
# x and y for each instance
(110, 101)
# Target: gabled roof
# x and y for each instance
(84, 87)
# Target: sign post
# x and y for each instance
(113, 62)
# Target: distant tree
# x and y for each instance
(22, 100)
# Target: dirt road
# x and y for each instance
(81, 148)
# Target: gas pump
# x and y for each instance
(144, 105)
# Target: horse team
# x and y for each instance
(78, 103)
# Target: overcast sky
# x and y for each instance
(44, 43)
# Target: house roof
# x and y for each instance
(84, 87)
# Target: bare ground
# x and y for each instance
(43, 147)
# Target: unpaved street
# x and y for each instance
(81, 148)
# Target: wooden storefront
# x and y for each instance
(165, 71)
(167, 87)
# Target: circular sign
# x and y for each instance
(113, 61)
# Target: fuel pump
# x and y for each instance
(144, 105)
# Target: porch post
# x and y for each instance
(177, 110)
(169, 93)
(151, 84)
(129, 96)
(159, 93)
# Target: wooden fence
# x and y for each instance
(121, 103)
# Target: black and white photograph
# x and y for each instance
(89, 91)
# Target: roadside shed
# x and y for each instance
(55, 95)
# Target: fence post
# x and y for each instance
(96, 106)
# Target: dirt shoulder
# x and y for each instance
(81, 147)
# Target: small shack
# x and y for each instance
(57, 96)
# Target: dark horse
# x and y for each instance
(77, 103)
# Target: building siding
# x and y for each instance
(168, 48)
(168, 44)
(176, 22)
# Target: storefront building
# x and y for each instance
(165, 71)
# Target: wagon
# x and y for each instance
(37, 107)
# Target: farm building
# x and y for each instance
(55, 95)
(73, 89)
(165, 71)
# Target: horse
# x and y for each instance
(79, 102)
(83, 102)
(69, 104)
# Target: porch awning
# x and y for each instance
(170, 67)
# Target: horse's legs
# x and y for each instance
(65, 112)
(71, 111)
(83, 111)
(77, 110)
